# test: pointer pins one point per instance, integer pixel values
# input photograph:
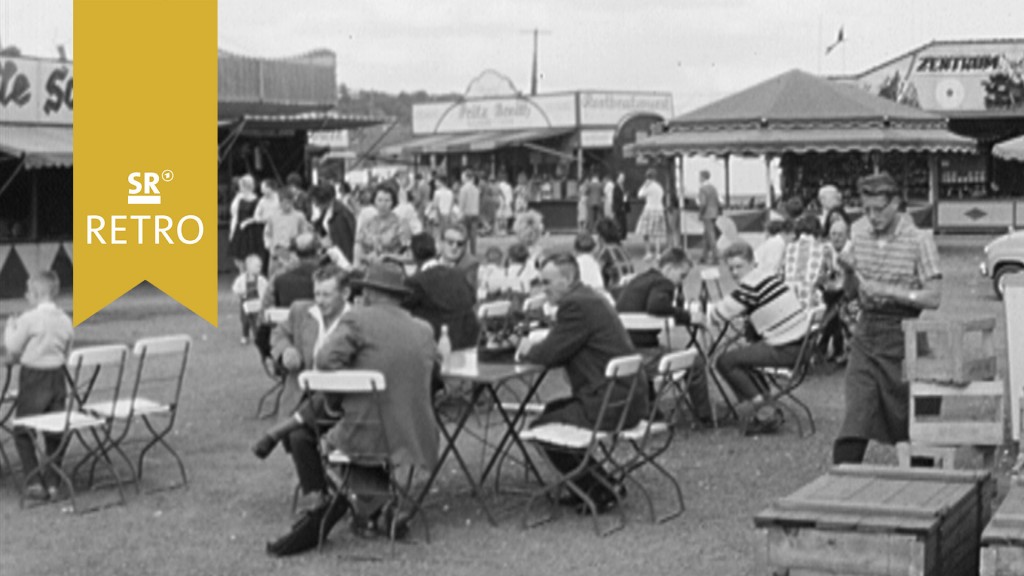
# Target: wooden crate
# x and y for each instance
(953, 351)
(1002, 542)
(870, 520)
(974, 415)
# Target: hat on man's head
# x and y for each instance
(878, 184)
(386, 277)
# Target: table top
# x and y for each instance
(463, 364)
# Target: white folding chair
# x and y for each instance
(362, 382)
(8, 402)
(644, 322)
(596, 444)
(92, 371)
(159, 375)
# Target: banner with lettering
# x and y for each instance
(145, 137)
(36, 91)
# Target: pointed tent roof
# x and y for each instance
(799, 112)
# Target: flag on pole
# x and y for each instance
(839, 40)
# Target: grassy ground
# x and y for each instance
(235, 502)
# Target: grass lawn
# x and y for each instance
(236, 502)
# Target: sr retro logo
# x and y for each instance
(149, 229)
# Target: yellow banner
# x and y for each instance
(145, 136)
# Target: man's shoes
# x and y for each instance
(380, 524)
(767, 419)
(264, 446)
(305, 532)
(36, 491)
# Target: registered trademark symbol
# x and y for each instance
(167, 175)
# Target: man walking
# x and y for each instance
(710, 210)
(893, 267)
(469, 204)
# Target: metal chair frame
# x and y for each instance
(273, 369)
(595, 444)
(373, 383)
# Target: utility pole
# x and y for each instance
(533, 75)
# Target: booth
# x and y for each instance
(36, 201)
(554, 141)
(978, 86)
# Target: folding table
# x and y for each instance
(486, 378)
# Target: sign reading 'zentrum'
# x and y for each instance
(145, 153)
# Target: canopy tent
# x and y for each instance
(38, 146)
(799, 112)
(1010, 149)
(472, 141)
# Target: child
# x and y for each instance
(40, 339)
(282, 227)
(519, 274)
(491, 274)
(250, 286)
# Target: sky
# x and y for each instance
(699, 50)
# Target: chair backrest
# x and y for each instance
(643, 321)
(677, 361)
(342, 381)
(624, 366)
(618, 369)
(160, 367)
(711, 285)
(97, 369)
(252, 306)
(276, 315)
(534, 304)
(495, 309)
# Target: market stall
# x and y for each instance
(823, 132)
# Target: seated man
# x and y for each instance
(288, 286)
(778, 322)
(380, 336)
(586, 335)
(442, 295)
(654, 292)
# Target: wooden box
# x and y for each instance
(953, 351)
(869, 520)
(974, 415)
(1002, 542)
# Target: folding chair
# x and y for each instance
(8, 403)
(652, 436)
(373, 383)
(274, 370)
(711, 286)
(644, 322)
(159, 375)
(94, 370)
(780, 383)
(594, 444)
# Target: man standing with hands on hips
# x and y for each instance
(893, 267)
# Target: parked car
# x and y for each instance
(1003, 256)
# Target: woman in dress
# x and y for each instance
(245, 234)
(651, 225)
(383, 233)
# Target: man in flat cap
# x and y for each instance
(893, 268)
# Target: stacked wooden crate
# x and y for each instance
(955, 397)
(880, 521)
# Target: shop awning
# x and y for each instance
(472, 141)
(304, 121)
(41, 146)
(1010, 150)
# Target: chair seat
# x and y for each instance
(637, 432)
(54, 421)
(565, 435)
(122, 408)
(532, 408)
(338, 457)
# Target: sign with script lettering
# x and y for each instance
(510, 113)
(36, 91)
(609, 108)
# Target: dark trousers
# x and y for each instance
(302, 444)
(620, 219)
(249, 322)
(710, 253)
(39, 391)
(736, 366)
(594, 214)
(471, 222)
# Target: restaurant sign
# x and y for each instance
(953, 76)
(36, 91)
(506, 113)
(609, 108)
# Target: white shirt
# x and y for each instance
(443, 199)
(590, 271)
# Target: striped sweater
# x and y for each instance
(774, 311)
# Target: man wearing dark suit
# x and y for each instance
(334, 223)
(654, 292)
(296, 283)
(441, 295)
(586, 335)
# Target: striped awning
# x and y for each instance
(484, 141)
(1010, 150)
(41, 146)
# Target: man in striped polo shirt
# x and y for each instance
(893, 267)
(778, 320)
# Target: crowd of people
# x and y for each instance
(365, 290)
